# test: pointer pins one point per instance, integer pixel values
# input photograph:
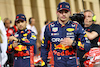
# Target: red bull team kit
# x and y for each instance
(64, 56)
(24, 52)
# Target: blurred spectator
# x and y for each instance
(3, 44)
(43, 29)
(31, 25)
(7, 23)
(9, 32)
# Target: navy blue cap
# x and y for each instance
(20, 17)
(63, 6)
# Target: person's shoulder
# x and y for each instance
(28, 25)
(74, 22)
(30, 31)
(11, 28)
(96, 25)
(51, 23)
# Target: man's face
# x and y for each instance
(63, 15)
(21, 24)
(7, 23)
(88, 18)
(32, 21)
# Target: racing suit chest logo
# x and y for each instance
(56, 39)
(70, 29)
(55, 29)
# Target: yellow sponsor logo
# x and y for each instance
(63, 25)
(42, 42)
(80, 44)
(25, 34)
(59, 46)
(23, 39)
(8, 41)
(43, 38)
(10, 47)
(20, 48)
(42, 63)
(85, 35)
(70, 29)
(33, 36)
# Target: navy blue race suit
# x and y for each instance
(64, 56)
(24, 52)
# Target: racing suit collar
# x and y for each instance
(63, 25)
(23, 31)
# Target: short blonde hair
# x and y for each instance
(89, 11)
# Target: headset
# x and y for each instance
(94, 18)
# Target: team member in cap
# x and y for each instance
(65, 36)
(22, 43)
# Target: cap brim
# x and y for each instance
(64, 9)
(19, 19)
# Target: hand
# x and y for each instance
(66, 42)
(15, 44)
(11, 38)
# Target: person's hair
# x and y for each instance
(30, 19)
(7, 19)
(89, 11)
(46, 22)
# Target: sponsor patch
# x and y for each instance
(55, 29)
(70, 29)
(10, 31)
(54, 33)
(73, 25)
(70, 33)
(69, 36)
(25, 34)
(56, 39)
(52, 25)
(85, 35)
(16, 35)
